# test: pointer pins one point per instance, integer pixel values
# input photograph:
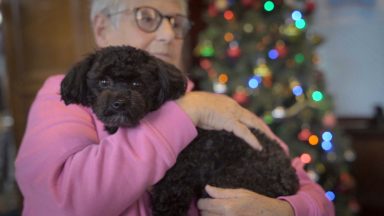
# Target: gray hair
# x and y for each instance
(104, 7)
(110, 6)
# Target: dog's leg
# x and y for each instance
(173, 195)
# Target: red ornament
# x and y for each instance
(212, 10)
(257, 5)
(304, 134)
(205, 64)
(240, 97)
(229, 15)
(234, 52)
(247, 3)
(282, 50)
(329, 120)
(310, 7)
(268, 81)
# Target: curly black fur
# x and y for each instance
(221, 159)
(122, 84)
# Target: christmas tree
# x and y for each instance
(262, 53)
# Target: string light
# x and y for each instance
(313, 140)
(278, 112)
(305, 158)
(326, 145)
(273, 54)
(205, 64)
(296, 15)
(297, 90)
(221, 4)
(269, 6)
(254, 82)
(304, 134)
(327, 136)
(207, 49)
(234, 49)
(248, 28)
(219, 88)
(299, 58)
(229, 15)
(228, 37)
(317, 96)
(330, 195)
(262, 70)
(223, 78)
(300, 24)
(268, 119)
(281, 48)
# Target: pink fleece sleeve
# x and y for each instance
(64, 167)
(310, 199)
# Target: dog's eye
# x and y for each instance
(104, 83)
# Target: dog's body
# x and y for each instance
(221, 159)
(122, 84)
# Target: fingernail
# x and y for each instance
(208, 188)
(259, 147)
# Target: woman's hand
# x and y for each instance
(219, 112)
(241, 202)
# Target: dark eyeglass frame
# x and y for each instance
(180, 34)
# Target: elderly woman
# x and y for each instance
(68, 165)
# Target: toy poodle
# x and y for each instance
(122, 84)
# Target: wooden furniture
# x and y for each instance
(46, 37)
(368, 168)
(41, 38)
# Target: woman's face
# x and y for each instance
(160, 43)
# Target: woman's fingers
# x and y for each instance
(220, 112)
(242, 131)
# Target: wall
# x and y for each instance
(352, 56)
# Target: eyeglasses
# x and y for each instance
(149, 19)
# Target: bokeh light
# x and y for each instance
(269, 6)
(296, 15)
(330, 195)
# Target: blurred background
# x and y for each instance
(313, 69)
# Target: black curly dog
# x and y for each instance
(122, 84)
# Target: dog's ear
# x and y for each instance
(74, 88)
(173, 82)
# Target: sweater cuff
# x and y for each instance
(299, 204)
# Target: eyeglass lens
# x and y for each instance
(149, 19)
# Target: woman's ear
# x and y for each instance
(101, 24)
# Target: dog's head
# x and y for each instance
(122, 84)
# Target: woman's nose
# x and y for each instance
(165, 31)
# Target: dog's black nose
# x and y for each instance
(118, 104)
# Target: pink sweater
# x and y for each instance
(68, 165)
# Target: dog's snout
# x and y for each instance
(118, 104)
